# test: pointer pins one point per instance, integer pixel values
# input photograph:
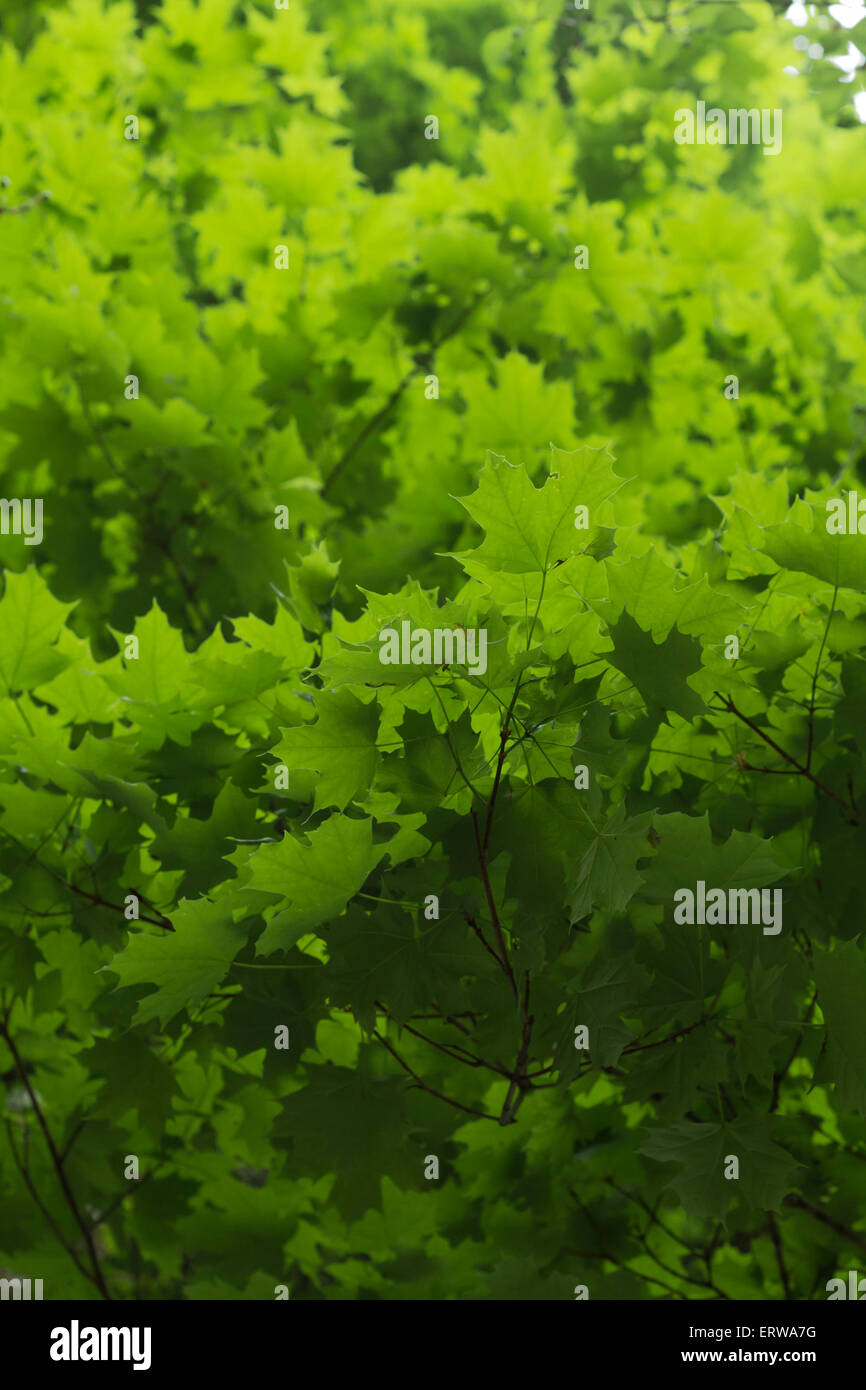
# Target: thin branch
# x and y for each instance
(82, 892)
(802, 771)
(375, 420)
(98, 1278)
(482, 938)
(780, 1254)
(481, 1114)
(779, 1076)
(452, 1050)
(149, 529)
(678, 1274)
(491, 905)
(31, 1188)
(101, 902)
(64, 1153)
(800, 1204)
(815, 678)
(122, 1197)
(611, 1259)
(26, 206)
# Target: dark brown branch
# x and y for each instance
(779, 1076)
(452, 1050)
(98, 1278)
(481, 1114)
(798, 767)
(491, 906)
(53, 1226)
(611, 1259)
(677, 1273)
(780, 1254)
(800, 1204)
(64, 1153)
(482, 938)
(82, 892)
(680, 1033)
(101, 902)
(122, 1197)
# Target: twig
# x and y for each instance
(815, 678)
(482, 938)
(453, 1050)
(802, 771)
(26, 206)
(780, 1254)
(122, 1196)
(375, 420)
(800, 1204)
(149, 530)
(611, 1259)
(31, 1188)
(481, 1114)
(779, 1076)
(98, 1278)
(491, 905)
(82, 892)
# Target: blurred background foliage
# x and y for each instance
(408, 256)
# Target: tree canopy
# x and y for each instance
(401, 979)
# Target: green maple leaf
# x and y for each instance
(528, 529)
(185, 964)
(841, 980)
(283, 638)
(157, 674)
(134, 1078)
(360, 664)
(137, 797)
(272, 998)
(685, 976)
(18, 957)
(660, 670)
(382, 957)
(317, 878)
(766, 1171)
(686, 852)
(605, 991)
(227, 681)
(678, 1072)
(79, 692)
(836, 559)
(425, 773)
(340, 747)
(648, 589)
(236, 1227)
(31, 620)
(352, 1124)
(196, 845)
(311, 583)
(607, 876)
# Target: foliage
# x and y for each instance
(281, 805)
